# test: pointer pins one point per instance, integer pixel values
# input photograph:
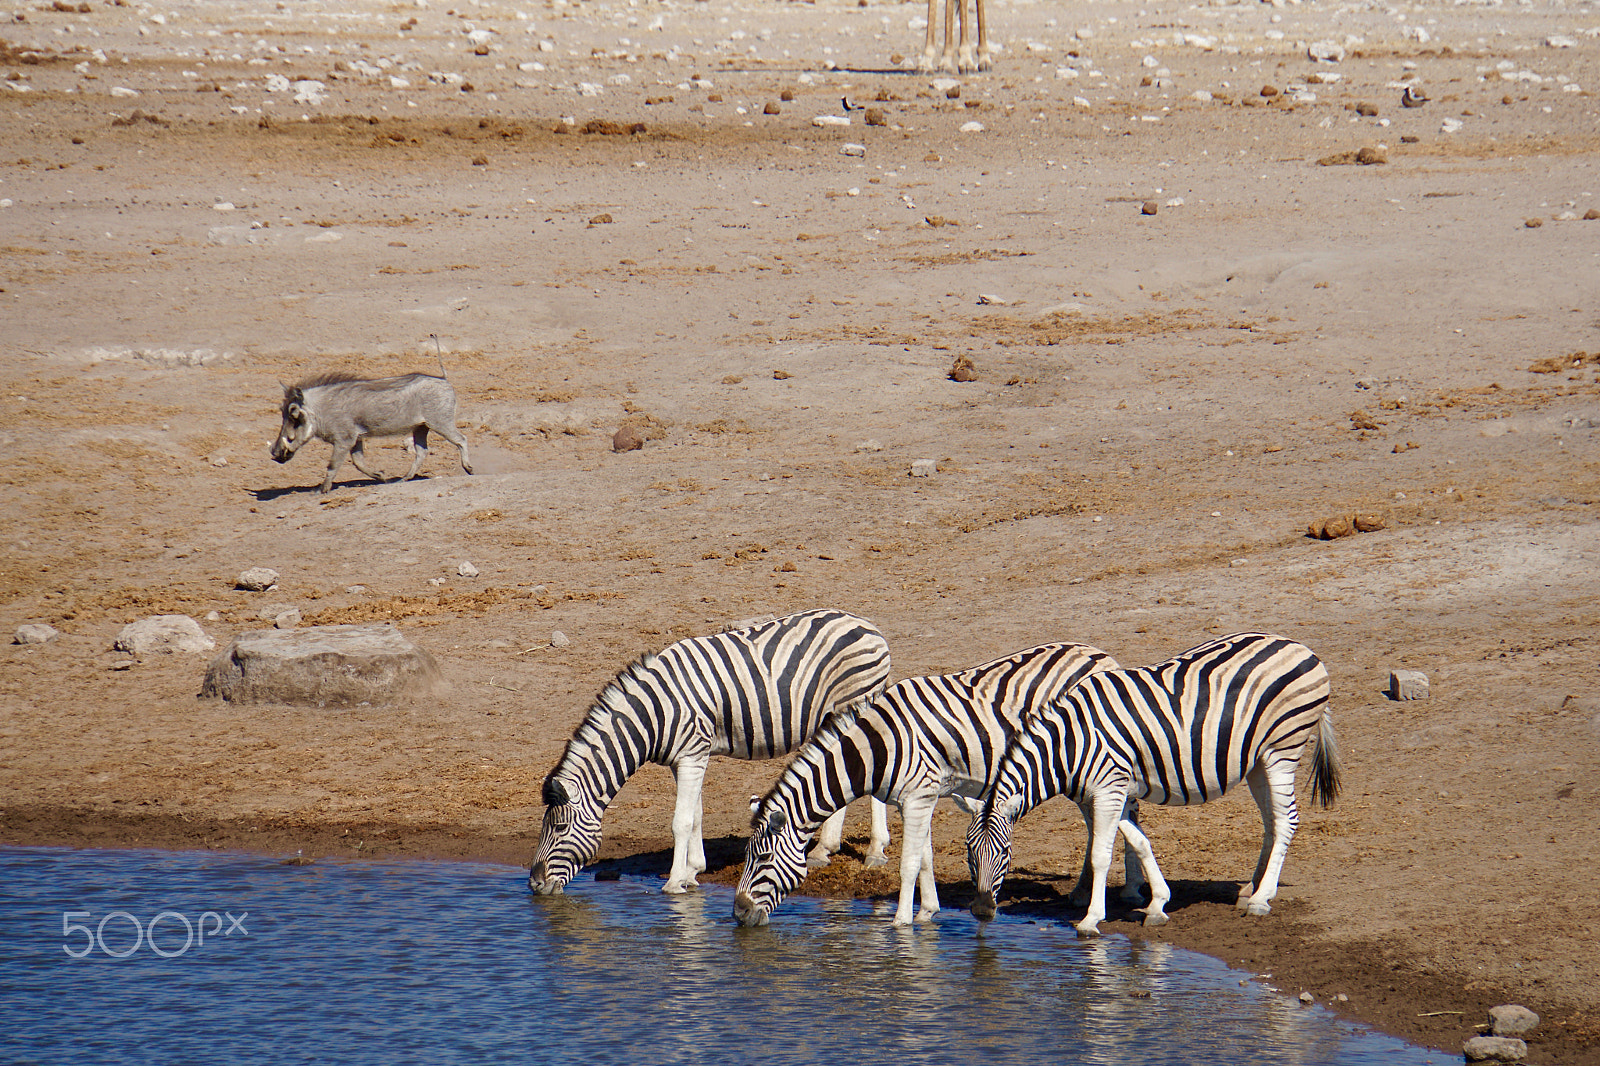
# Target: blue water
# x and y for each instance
(251, 960)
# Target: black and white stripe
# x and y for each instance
(1243, 707)
(752, 693)
(925, 737)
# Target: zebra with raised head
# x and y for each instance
(751, 693)
(1242, 707)
(925, 737)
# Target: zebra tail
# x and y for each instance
(1325, 768)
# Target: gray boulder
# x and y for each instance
(1494, 1049)
(164, 634)
(35, 633)
(1510, 1019)
(339, 666)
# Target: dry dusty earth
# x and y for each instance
(597, 213)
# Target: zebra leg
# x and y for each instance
(830, 837)
(1272, 787)
(1136, 843)
(927, 886)
(880, 834)
(1107, 803)
(688, 850)
(916, 809)
(1079, 896)
(1133, 867)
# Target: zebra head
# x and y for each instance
(774, 863)
(569, 838)
(989, 851)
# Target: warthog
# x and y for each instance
(345, 410)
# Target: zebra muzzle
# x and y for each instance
(747, 912)
(983, 906)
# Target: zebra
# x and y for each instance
(751, 693)
(925, 737)
(1241, 707)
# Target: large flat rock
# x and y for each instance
(323, 666)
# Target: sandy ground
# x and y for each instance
(598, 214)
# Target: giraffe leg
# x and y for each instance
(930, 50)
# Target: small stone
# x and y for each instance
(772, 109)
(35, 633)
(466, 569)
(856, 150)
(1269, 91)
(287, 619)
(626, 439)
(1370, 156)
(1494, 1049)
(1307, 998)
(1149, 207)
(1326, 52)
(875, 117)
(1533, 223)
(559, 639)
(163, 633)
(923, 468)
(257, 579)
(869, 445)
(971, 127)
(1408, 685)
(602, 219)
(1512, 1020)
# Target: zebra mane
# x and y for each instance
(584, 746)
(790, 789)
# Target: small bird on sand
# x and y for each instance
(1413, 97)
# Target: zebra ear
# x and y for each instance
(555, 793)
(1012, 809)
(755, 804)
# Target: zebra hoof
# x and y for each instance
(1154, 919)
(874, 861)
(1087, 930)
(817, 861)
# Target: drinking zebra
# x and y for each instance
(752, 693)
(1242, 707)
(925, 737)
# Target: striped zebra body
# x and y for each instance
(752, 693)
(925, 737)
(1243, 707)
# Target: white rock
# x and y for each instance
(257, 579)
(466, 569)
(830, 120)
(1450, 125)
(287, 619)
(163, 633)
(1560, 42)
(123, 92)
(869, 445)
(559, 639)
(1408, 685)
(972, 127)
(923, 467)
(589, 88)
(1326, 51)
(35, 633)
(277, 83)
(854, 150)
